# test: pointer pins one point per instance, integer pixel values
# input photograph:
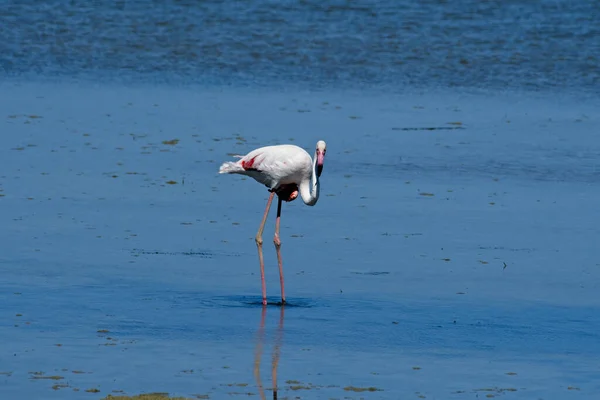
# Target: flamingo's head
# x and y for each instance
(320, 153)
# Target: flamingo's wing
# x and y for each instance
(272, 160)
(272, 165)
(268, 165)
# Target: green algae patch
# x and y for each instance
(147, 396)
(496, 390)
(362, 389)
(300, 387)
(53, 377)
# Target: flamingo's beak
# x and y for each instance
(320, 160)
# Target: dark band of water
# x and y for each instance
(386, 44)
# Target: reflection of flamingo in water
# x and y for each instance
(276, 353)
(285, 170)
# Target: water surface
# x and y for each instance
(444, 263)
(452, 253)
(392, 46)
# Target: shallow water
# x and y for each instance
(439, 263)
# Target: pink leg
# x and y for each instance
(259, 243)
(277, 242)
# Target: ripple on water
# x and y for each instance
(519, 44)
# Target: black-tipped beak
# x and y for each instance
(320, 161)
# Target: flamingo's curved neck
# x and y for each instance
(309, 188)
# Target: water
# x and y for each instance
(451, 255)
(389, 45)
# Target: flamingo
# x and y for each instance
(286, 170)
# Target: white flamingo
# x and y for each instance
(285, 169)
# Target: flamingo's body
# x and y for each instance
(286, 170)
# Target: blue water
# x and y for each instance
(389, 45)
(452, 253)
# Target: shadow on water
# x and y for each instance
(253, 301)
(276, 351)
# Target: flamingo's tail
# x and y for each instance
(231, 168)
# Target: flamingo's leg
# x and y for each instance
(277, 242)
(259, 243)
